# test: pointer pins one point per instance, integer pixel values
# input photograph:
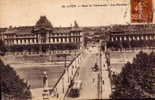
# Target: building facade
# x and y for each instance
(43, 37)
(2, 30)
(132, 36)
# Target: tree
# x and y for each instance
(2, 48)
(11, 84)
(134, 80)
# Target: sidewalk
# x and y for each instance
(106, 87)
(88, 77)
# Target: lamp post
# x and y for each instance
(66, 68)
(100, 72)
(107, 57)
(45, 86)
(104, 39)
(45, 79)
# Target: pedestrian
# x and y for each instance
(93, 80)
(103, 82)
(57, 95)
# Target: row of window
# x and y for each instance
(49, 52)
(34, 41)
(33, 35)
(115, 38)
(64, 34)
(21, 35)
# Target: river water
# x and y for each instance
(33, 73)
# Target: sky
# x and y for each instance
(27, 12)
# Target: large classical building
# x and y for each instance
(42, 37)
(2, 30)
(132, 36)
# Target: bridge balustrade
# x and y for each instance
(61, 87)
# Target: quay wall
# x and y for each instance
(35, 58)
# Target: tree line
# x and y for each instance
(136, 79)
(12, 84)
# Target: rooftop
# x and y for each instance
(43, 22)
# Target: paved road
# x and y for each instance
(106, 87)
(88, 77)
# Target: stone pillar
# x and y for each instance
(133, 38)
(67, 39)
(112, 39)
(63, 40)
(138, 38)
(116, 38)
(45, 80)
(150, 37)
(120, 38)
(31, 41)
(51, 40)
(125, 38)
(26, 41)
(45, 92)
(142, 38)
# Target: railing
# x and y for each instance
(61, 87)
(5, 96)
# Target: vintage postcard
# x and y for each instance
(77, 49)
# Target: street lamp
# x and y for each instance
(45, 86)
(45, 79)
(66, 68)
(100, 73)
(104, 39)
(107, 56)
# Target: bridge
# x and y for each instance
(81, 69)
(61, 87)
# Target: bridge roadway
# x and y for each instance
(89, 78)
